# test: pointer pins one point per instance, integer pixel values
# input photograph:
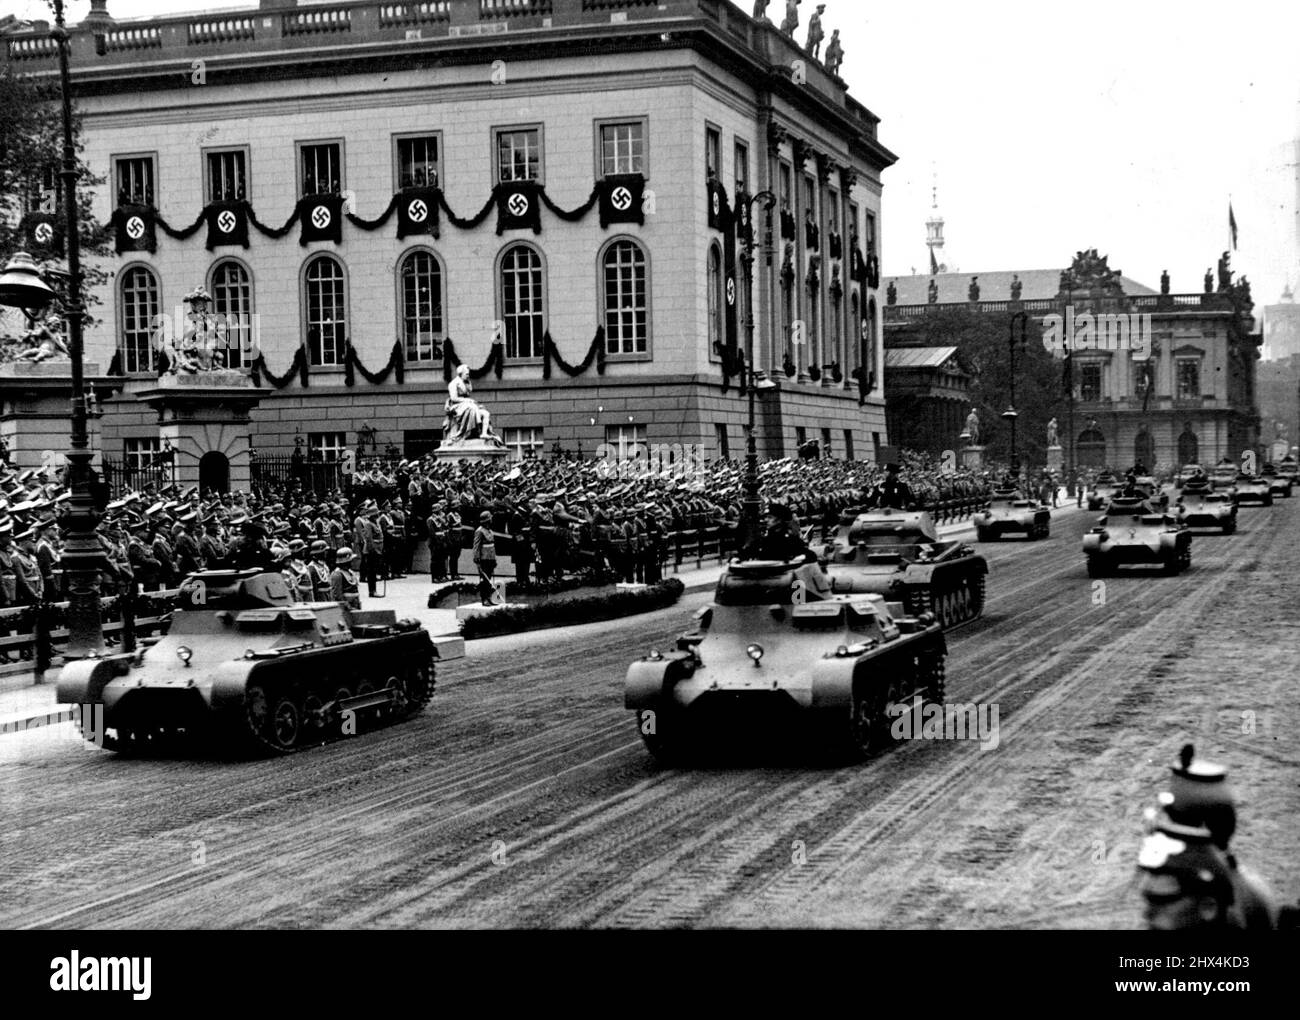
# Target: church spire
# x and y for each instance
(934, 231)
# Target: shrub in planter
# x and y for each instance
(566, 610)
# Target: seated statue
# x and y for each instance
(466, 418)
(43, 341)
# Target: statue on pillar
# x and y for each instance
(1164, 282)
(1209, 282)
(834, 53)
(891, 293)
(1052, 438)
(760, 10)
(815, 34)
(791, 20)
(466, 418)
(42, 342)
(932, 292)
(974, 289)
(973, 427)
(1016, 286)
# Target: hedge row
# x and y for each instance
(563, 612)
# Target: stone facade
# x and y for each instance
(173, 91)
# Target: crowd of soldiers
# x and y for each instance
(553, 518)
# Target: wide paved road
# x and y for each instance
(524, 796)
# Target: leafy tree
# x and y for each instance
(982, 342)
(31, 155)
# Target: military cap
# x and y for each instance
(158, 507)
(344, 555)
(188, 518)
(780, 511)
(1183, 858)
(1199, 794)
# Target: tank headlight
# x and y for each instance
(842, 652)
(249, 653)
(755, 652)
(655, 655)
(185, 653)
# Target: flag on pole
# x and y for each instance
(934, 264)
(1232, 226)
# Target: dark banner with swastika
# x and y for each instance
(227, 224)
(621, 197)
(518, 207)
(321, 217)
(417, 212)
(134, 228)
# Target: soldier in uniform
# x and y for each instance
(655, 547)
(521, 550)
(8, 566)
(211, 546)
(144, 566)
(189, 556)
(435, 526)
(400, 542)
(1186, 881)
(48, 556)
(369, 543)
(164, 554)
(30, 585)
(543, 530)
(639, 543)
(485, 557)
(318, 571)
(301, 578)
(779, 541)
(343, 580)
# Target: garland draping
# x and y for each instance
(451, 362)
(473, 221)
(572, 215)
(275, 233)
(596, 353)
(383, 217)
(298, 365)
(396, 365)
(183, 233)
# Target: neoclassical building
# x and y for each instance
(556, 193)
(1194, 400)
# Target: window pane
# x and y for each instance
(521, 302)
(135, 181)
(417, 162)
(322, 169)
(232, 301)
(625, 311)
(622, 148)
(140, 307)
(518, 156)
(422, 306)
(326, 315)
(226, 176)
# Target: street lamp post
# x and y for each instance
(82, 555)
(752, 504)
(1010, 414)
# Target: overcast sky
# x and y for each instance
(1121, 126)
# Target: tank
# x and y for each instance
(898, 554)
(1278, 484)
(1199, 506)
(245, 666)
(1133, 532)
(1010, 512)
(787, 641)
(1103, 489)
(1251, 489)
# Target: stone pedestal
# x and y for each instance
(1055, 458)
(971, 458)
(36, 411)
(204, 418)
(471, 451)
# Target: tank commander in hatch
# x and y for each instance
(778, 541)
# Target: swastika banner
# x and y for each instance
(134, 229)
(321, 217)
(417, 212)
(44, 235)
(227, 224)
(518, 207)
(621, 198)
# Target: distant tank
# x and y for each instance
(899, 555)
(247, 667)
(787, 640)
(1009, 512)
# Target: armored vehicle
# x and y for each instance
(1106, 486)
(1133, 532)
(1186, 474)
(1010, 512)
(1288, 468)
(1151, 490)
(785, 642)
(1224, 476)
(1252, 489)
(898, 554)
(242, 664)
(1278, 483)
(1199, 506)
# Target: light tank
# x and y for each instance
(784, 640)
(245, 666)
(898, 554)
(1011, 512)
(1200, 506)
(1134, 533)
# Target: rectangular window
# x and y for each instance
(417, 161)
(713, 151)
(742, 167)
(227, 175)
(321, 165)
(142, 453)
(622, 148)
(519, 154)
(875, 447)
(854, 226)
(848, 444)
(420, 442)
(871, 233)
(800, 436)
(135, 180)
(625, 437)
(724, 445)
(326, 446)
(1089, 382)
(826, 442)
(524, 443)
(809, 195)
(1189, 378)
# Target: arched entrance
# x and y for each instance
(1090, 449)
(1144, 451)
(214, 472)
(1189, 447)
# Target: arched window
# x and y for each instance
(1090, 449)
(326, 312)
(1144, 450)
(139, 307)
(1188, 447)
(232, 299)
(623, 298)
(421, 297)
(713, 285)
(522, 301)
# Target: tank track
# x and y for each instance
(950, 606)
(297, 716)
